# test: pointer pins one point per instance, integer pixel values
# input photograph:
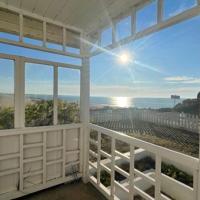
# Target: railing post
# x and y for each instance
(99, 159)
(198, 182)
(131, 171)
(84, 104)
(112, 189)
(158, 178)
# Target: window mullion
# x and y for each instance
(19, 93)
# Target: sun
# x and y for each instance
(125, 58)
(122, 102)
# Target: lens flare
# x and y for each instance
(125, 58)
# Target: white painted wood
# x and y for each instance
(158, 178)
(114, 37)
(99, 159)
(21, 26)
(55, 96)
(131, 170)
(44, 34)
(133, 22)
(81, 146)
(64, 153)
(38, 17)
(64, 39)
(112, 184)
(198, 179)
(160, 152)
(159, 26)
(84, 104)
(45, 49)
(181, 158)
(21, 179)
(19, 93)
(18, 194)
(44, 157)
(195, 184)
(160, 11)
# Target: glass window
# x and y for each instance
(9, 36)
(106, 37)
(174, 7)
(31, 53)
(73, 50)
(146, 16)
(6, 94)
(123, 28)
(38, 95)
(33, 41)
(54, 46)
(68, 95)
(32, 35)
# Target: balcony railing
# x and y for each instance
(32, 159)
(105, 155)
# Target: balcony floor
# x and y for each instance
(72, 191)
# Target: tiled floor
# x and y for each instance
(70, 191)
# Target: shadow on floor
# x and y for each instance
(70, 191)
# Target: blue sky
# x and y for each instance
(164, 63)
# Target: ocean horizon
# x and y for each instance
(97, 101)
(123, 102)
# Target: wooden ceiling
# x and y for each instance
(87, 15)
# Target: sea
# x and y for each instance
(123, 102)
(126, 102)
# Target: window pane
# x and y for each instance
(33, 41)
(69, 95)
(146, 16)
(123, 28)
(38, 94)
(54, 46)
(73, 50)
(174, 7)
(106, 37)
(9, 36)
(6, 94)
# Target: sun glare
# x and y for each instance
(122, 102)
(125, 58)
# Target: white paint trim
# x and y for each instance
(160, 10)
(30, 130)
(158, 177)
(55, 96)
(84, 105)
(39, 48)
(19, 119)
(21, 27)
(44, 34)
(131, 170)
(38, 17)
(43, 62)
(17, 194)
(64, 39)
(161, 151)
(155, 28)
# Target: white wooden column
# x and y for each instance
(44, 34)
(198, 181)
(19, 94)
(21, 27)
(55, 96)
(84, 105)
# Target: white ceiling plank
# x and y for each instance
(15, 3)
(55, 8)
(86, 15)
(28, 4)
(41, 7)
